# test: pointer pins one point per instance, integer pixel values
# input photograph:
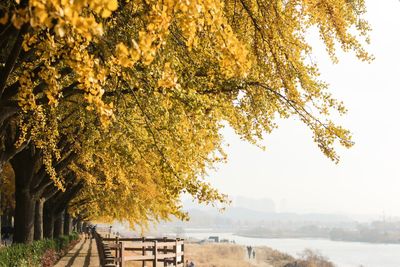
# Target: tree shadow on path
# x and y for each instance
(88, 255)
(72, 259)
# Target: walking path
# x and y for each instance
(84, 254)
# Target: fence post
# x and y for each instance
(143, 251)
(117, 250)
(122, 247)
(165, 252)
(155, 254)
(183, 253)
(176, 252)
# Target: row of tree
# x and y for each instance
(112, 109)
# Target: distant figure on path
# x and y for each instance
(249, 249)
(254, 254)
(86, 231)
(93, 230)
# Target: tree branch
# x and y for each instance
(12, 58)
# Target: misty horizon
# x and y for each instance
(293, 170)
(191, 206)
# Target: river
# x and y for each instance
(343, 254)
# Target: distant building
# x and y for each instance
(214, 238)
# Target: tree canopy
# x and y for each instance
(129, 96)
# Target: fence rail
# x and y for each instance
(117, 251)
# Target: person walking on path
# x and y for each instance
(191, 264)
(249, 249)
(86, 232)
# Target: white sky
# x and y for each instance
(293, 171)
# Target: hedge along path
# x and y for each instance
(84, 254)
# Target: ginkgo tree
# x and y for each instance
(164, 76)
(134, 164)
(128, 163)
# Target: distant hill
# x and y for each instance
(245, 214)
(256, 204)
(235, 218)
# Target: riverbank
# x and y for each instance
(343, 254)
(302, 236)
(232, 255)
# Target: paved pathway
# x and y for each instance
(84, 254)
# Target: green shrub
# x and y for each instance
(20, 255)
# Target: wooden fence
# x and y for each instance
(117, 251)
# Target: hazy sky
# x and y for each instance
(295, 174)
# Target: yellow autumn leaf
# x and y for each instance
(112, 5)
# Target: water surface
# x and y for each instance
(343, 254)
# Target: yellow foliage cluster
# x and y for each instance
(163, 78)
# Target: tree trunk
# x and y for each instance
(67, 224)
(24, 217)
(1, 217)
(79, 226)
(6, 218)
(60, 202)
(59, 225)
(38, 235)
(84, 227)
(48, 220)
(23, 164)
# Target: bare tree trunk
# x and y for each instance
(79, 227)
(38, 233)
(1, 217)
(59, 225)
(23, 165)
(6, 218)
(48, 220)
(24, 217)
(67, 224)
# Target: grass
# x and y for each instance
(40, 253)
(231, 255)
(221, 255)
(228, 255)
